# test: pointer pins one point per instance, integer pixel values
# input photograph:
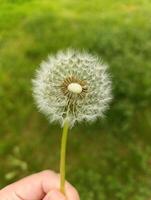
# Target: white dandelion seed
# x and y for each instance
(72, 85)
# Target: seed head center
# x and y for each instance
(75, 88)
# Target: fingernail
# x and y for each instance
(54, 195)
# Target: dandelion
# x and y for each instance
(71, 87)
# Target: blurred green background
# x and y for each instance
(110, 159)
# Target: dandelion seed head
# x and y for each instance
(73, 85)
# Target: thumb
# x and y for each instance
(54, 195)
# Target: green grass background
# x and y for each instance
(110, 159)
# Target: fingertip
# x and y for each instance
(71, 192)
(51, 180)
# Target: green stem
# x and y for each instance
(63, 156)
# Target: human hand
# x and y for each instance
(41, 186)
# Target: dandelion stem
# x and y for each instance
(63, 156)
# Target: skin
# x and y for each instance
(40, 186)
